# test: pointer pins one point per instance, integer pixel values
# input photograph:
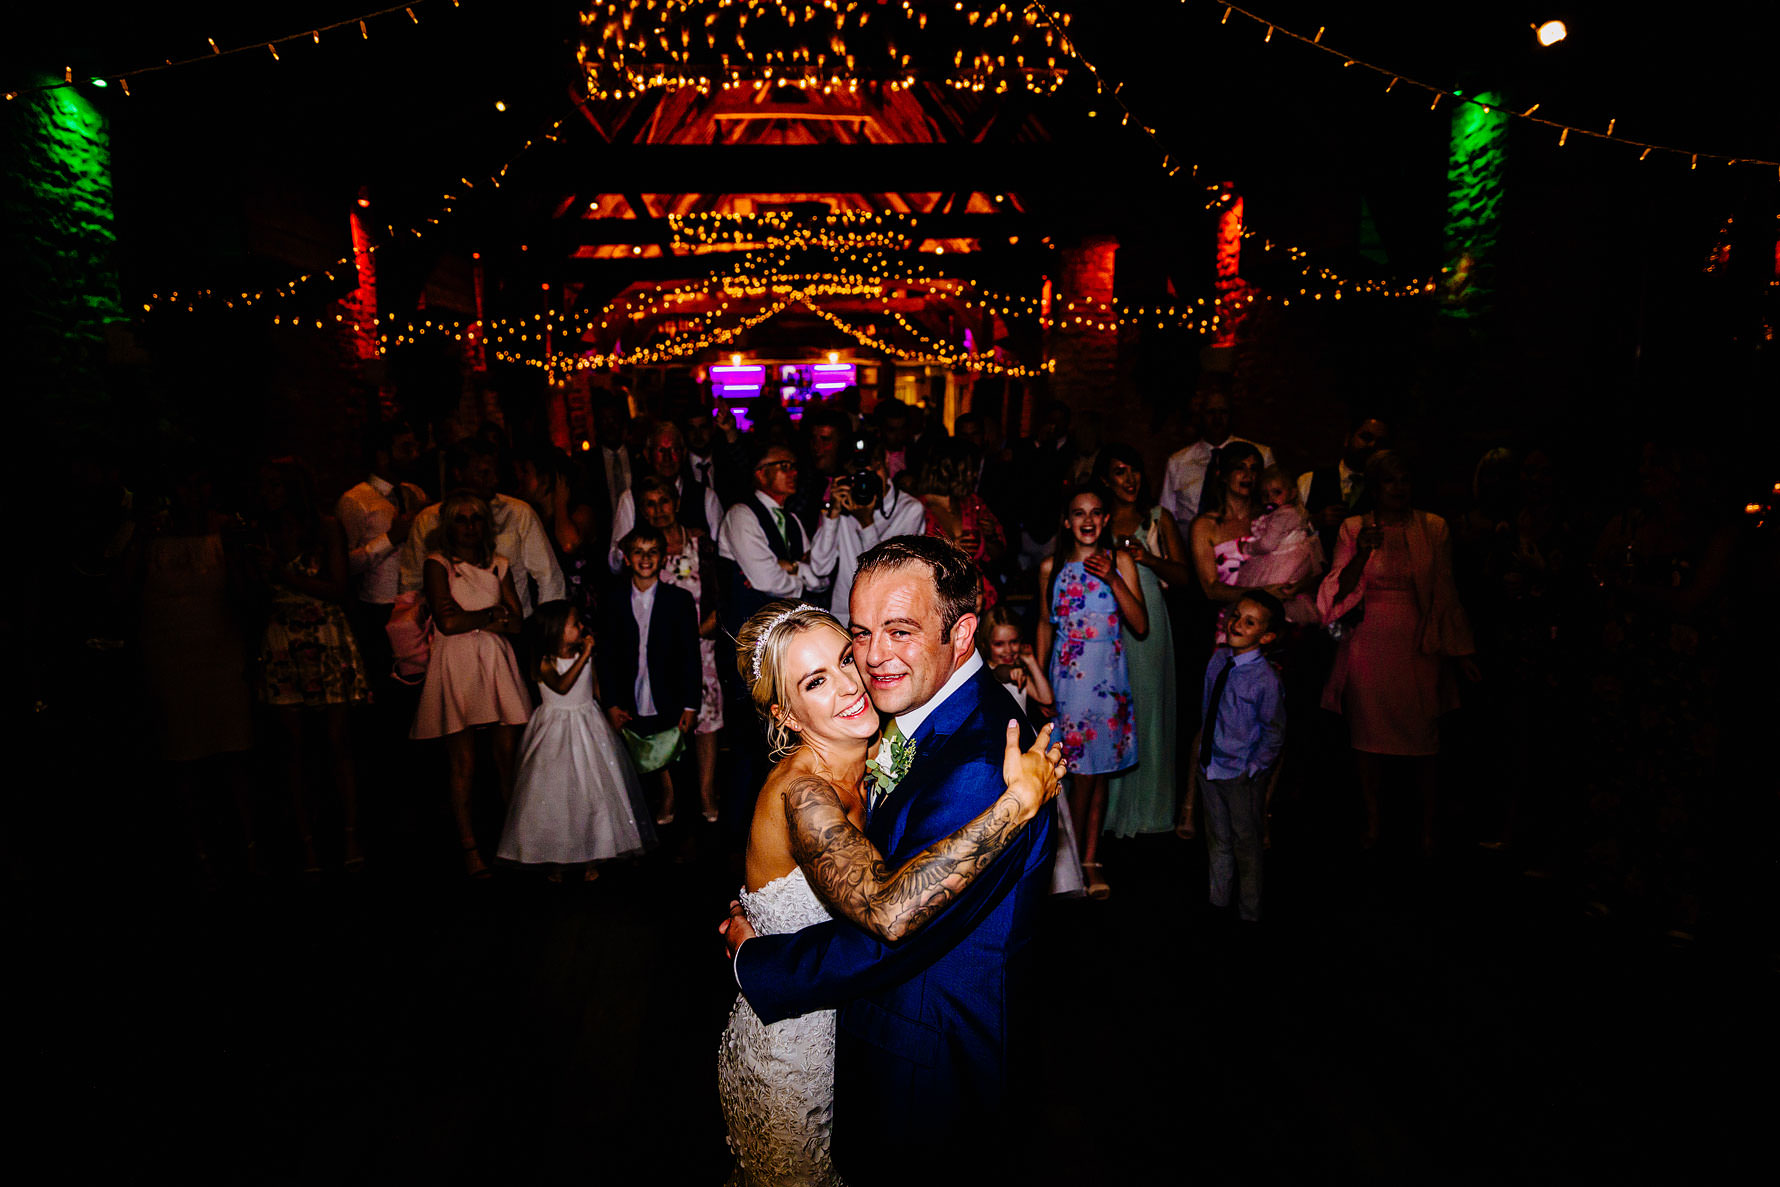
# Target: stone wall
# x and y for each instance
(56, 211)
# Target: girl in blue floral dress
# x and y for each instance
(1094, 596)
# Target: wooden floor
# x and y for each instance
(1385, 1024)
(1389, 1022)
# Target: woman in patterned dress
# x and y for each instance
(691, 565)
(309, 662)
(1143, 799)
(1093, 594)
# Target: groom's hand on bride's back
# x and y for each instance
(734, 929)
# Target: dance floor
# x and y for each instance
(405, 1026)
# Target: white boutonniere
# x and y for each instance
(890, 766)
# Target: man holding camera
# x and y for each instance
(863, 509)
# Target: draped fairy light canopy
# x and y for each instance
(629, 47)
(817, 245)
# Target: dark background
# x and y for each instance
(1458, 1026)
(1605, 316)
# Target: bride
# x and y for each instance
(808, 839)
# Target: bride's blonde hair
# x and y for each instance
(760, 656)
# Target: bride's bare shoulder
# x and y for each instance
(788, 779)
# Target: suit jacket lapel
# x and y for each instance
(885, 828)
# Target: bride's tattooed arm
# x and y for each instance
(851, 874)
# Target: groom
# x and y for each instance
(933, 1041)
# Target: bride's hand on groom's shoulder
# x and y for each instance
(1033, 776)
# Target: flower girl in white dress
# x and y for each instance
(808, 857)
(576, 800)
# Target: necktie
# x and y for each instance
(779, 523)
(1211, 713)
(881, 784)
(1350, 493)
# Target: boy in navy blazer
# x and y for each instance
(647, 661)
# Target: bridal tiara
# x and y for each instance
(766, 633)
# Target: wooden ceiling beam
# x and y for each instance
(835, 168)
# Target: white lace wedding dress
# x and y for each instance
(777, 1081)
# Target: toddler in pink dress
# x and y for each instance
(1282, 547)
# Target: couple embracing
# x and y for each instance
(899, 854)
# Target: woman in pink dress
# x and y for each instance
(472, 678)
(1390, 592)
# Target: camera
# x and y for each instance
(864, 486)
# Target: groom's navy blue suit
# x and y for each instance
(931, 1036)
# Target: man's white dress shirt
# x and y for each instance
(624, 518)
(642, 608)
(1186, 476)
(365, 513)
(518, 536)
(840, 541)
(742, 542)
(910, 720)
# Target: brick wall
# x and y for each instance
(1087, 373)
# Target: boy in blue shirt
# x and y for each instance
(1245, 720)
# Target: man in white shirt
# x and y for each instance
(849, 529)
(1185, 478)
(377, 516)
(518, 534)
(766, 541)
(667, 460)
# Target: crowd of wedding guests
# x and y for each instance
(1226, 643)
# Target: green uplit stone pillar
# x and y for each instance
(60, 245)
(1474, 176)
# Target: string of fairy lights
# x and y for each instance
(310, 35)
(702, 337)
(1203, 315)
(869, 247)
(1109, 94)
(1438, 94)
(619, 31)
(631, 48)
(833, 230)
(865, 272)
(689, 342)
(446, 206)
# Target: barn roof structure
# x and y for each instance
(864, 210)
